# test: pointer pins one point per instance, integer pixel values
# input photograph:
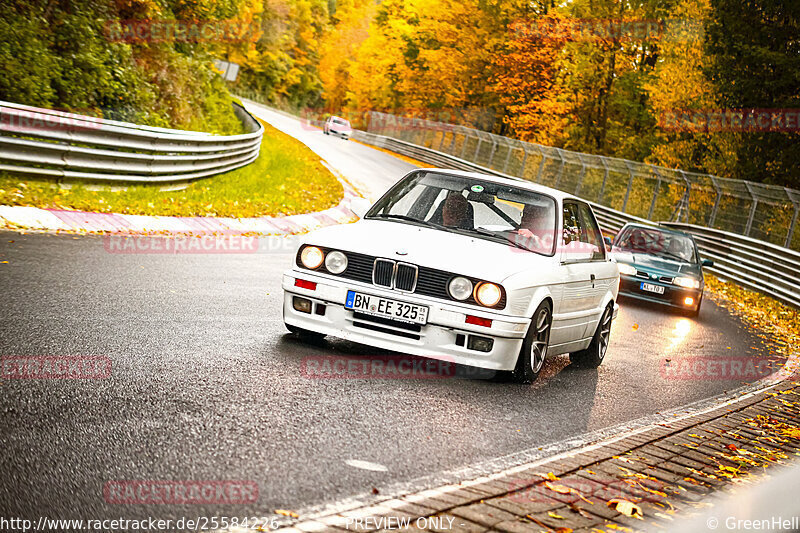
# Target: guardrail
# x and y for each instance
(67, 146)
(765, 212)
(754, 264)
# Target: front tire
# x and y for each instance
(305, 334)
(593, 356)
(534, 347)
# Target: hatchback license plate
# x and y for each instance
(386, 308)
(649, 287)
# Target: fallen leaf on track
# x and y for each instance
(627, 508)
(284, 512)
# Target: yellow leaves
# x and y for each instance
(626, 507)
(619, 528)
(549, 476)
(284, 512)
(561, 489)
(791, 432)
(635, 327)
(555, 515)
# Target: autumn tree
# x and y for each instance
(754, 63)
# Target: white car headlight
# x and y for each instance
(311, 257)
(460, 288)
(488, 294)
(687, 283)
(336, 262)
(626, 269)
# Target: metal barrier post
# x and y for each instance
(508, 157)
(655, 195)
(560, 168)
(752, 210)
(790, 233)
(605, 179)
(630, 185)
(541, 165)
(582, 176)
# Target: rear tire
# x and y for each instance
(593, 356)
(305, 334)
(534, 346)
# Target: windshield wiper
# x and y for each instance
(675, 256)
(411, 219)
(509, 240)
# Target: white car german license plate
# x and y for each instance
(383, 307)
(649, 287)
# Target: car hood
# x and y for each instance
(452, 252)
(657, 265)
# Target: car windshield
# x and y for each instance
(655, 242)
(484, 209)
(340, 122)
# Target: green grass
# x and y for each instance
(286, 179)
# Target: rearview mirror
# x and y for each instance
(708, 263)
(360, 206)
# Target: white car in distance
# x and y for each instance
(463, 267)
(337, 126)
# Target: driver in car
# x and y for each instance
(455, 211)
(536, 228)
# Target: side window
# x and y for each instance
(591, 234)
(572, 226)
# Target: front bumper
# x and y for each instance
(437, 339)
(674, 296)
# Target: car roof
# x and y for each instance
(662, 229)
(515, 182)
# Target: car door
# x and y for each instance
(578, 295)
(603, 273)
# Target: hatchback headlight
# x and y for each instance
(488, 294)
(460, 288)
(626, 269)
(311, 257)
(336, 262)
(687, 283)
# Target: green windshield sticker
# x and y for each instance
(477, 188)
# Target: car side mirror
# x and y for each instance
(607, 240)
(360, 206)
(708, 263)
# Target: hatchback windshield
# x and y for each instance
(501, 213)
(656, 242)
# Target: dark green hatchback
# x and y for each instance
(660, 265)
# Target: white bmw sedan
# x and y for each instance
(474, 269)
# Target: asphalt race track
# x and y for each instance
(206, 383)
